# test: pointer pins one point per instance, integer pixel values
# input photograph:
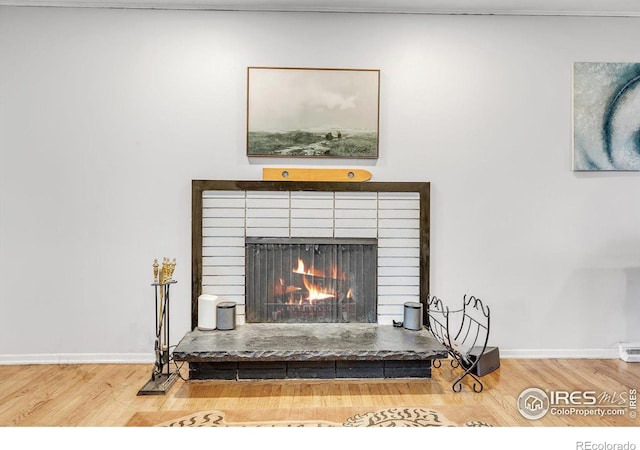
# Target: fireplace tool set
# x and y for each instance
(162, 378)
(466, 343)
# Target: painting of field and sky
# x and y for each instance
(606, 116)
(331, 113)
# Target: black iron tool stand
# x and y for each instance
(162, 378)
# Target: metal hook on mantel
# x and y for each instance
(307, 174)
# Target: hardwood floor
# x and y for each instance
(99, 395)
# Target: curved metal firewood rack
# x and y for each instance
(468, 343)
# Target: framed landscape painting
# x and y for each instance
(606, 116)
(313, 113)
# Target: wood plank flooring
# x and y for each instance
(104, 395)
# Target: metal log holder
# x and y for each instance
(469, 341)
(162, 378)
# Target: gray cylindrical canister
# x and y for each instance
(226, 316)
(412, 316)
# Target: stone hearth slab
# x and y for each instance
(308, 342)
(308, 351)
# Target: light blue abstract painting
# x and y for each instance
(606, 116)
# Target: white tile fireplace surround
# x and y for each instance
(229, 216)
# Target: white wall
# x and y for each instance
(107, 115)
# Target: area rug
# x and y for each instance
(313, 417)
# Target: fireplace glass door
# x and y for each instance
(300, 280)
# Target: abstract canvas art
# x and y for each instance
(304, 112)
(606, 116)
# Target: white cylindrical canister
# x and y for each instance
(207, 311)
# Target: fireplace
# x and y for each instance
(311, 280)
(231, 216)
(318, 272)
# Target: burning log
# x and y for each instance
(313, 272)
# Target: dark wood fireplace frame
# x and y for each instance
(198, 186)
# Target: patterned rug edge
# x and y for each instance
(386, 417)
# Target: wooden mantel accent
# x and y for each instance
(305, 174)
(199, 186)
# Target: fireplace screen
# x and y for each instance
(311, 280)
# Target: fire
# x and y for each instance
(316, 292)
(311, 271)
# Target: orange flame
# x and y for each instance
(316, 292)
(311, 271)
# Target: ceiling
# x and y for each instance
(498, 7)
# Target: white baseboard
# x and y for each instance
(78, 358)
(148, 358)
(580, 353)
